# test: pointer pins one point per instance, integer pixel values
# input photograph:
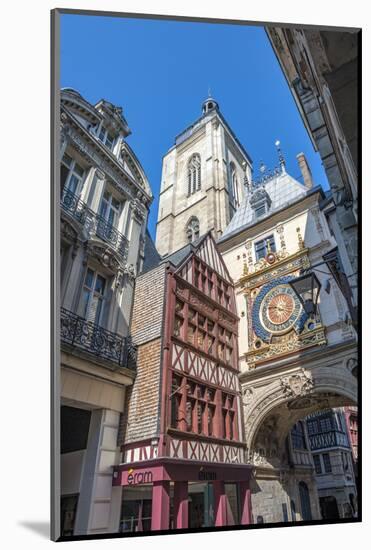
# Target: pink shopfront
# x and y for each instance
(165, 494)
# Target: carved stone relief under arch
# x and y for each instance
(271, 410)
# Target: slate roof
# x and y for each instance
(151, 257)
(177, 257)
(282, 189)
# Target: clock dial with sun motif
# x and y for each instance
(280, 309)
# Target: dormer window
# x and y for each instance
(260, 203)
(106, 138)
(260, 210)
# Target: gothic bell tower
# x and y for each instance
(204, 177)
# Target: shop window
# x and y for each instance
(75, 425)
(136, 509)
(233, 496)
(68, 514)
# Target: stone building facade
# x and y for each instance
(321, 69)
(290, 364)
(333, 465)
(104, 203)
(202, 183)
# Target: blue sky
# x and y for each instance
(160, 72)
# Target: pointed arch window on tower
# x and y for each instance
(193, 229)
(234, 196)
(194, 174)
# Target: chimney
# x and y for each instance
(305, 170)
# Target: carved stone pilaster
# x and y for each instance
(137, 210)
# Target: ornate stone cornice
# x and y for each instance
(95, 153)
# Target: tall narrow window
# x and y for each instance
(305, 501)
(109, 209)
(317, 464)
(234, 196)
(194, 174)
(193, 229)
(93, 295)
(327, 463)
(298, 436)
(71, 175)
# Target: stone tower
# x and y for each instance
(203, 181)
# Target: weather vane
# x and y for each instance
(281, 158)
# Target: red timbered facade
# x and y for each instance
(189, 470)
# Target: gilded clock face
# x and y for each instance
(279, 309)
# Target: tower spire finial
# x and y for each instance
(209, 91)
(281, 158)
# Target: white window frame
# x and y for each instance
(92, 291)
(110, 207)
(261, 240)
(104, 140)
(71, 173)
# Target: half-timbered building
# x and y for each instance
(183, 451)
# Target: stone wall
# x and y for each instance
(272, 492)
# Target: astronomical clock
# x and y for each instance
(277, 322)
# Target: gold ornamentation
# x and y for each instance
(300, 239)
(263, 272)
(286, 344)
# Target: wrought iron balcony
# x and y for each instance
(107, 232)
(95, 340)
(72, 204)
(328, 439)
(94, 223)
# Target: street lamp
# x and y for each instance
(306, 288)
